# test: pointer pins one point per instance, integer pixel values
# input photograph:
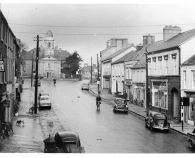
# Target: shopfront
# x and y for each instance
(139, 93)
(160, 95)
(189, 111)
(128, 88)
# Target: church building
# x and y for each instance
(49, 66)
(50, 59)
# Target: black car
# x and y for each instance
(120, 104)
(157, 120)
(68, 142)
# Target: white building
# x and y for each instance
(49, 66)
(165, 76)
(115, 49)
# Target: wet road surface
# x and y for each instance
(104, 131)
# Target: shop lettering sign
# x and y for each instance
(2, 66)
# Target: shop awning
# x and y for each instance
(189, 91)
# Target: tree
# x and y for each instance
(72, 63)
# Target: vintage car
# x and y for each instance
(191, 138)
(157, 120)
(120, 104)
(68, 142)
(85, 86)
(44, 101)
(43, 93)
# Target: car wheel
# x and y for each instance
(151, 128)
(191, 144)
(114, 110)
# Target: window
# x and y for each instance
(184, 79)
(193, 78)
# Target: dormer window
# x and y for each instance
(165, 57)
(174, 56)
(154, 59)
(160, 58)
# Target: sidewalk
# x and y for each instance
(27, 138)
(141, 111)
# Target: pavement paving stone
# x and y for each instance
(141, 111)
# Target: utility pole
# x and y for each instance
(32, 69)
(91, 70)
(36, 79)
(147, 108)
(98, 82)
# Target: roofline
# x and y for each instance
(117, 62)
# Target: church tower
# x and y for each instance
(49, 44)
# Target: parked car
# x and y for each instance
(69, 141)
(191, 138)
(120, 104)
(157, 120)
(85, 86)
(44, 101)
(42, 93)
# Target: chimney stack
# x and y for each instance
(148, 39)
(170, 31)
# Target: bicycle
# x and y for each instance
(6, 129)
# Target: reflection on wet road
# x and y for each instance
(104, 131)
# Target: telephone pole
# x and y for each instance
(32, 68)
(98, 74)
(36, 76)
(91, 70)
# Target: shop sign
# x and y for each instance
(2, 69)
(7, 103)
(128, 82)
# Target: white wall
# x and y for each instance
(159, 67)
(187, 50)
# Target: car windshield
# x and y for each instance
(44, 94)
(160, 117)
(44, 98)
(119, 101)
(85, 84)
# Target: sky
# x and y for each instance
(85, 27)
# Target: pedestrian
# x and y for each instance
(125, 95)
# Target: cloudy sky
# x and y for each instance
(86, 27)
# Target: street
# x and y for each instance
(104, 131)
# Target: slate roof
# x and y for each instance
(172, 42)
(128, 56)
(190, 61)
(118, 52)
(141, 63)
